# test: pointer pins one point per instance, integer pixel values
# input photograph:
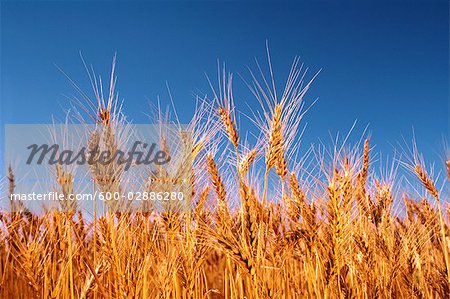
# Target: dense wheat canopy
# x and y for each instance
(266, 221)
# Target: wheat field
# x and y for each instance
(266, 222)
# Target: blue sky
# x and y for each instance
(384, 63)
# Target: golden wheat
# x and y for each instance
(330, 232)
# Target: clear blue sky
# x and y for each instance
(385, 63)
